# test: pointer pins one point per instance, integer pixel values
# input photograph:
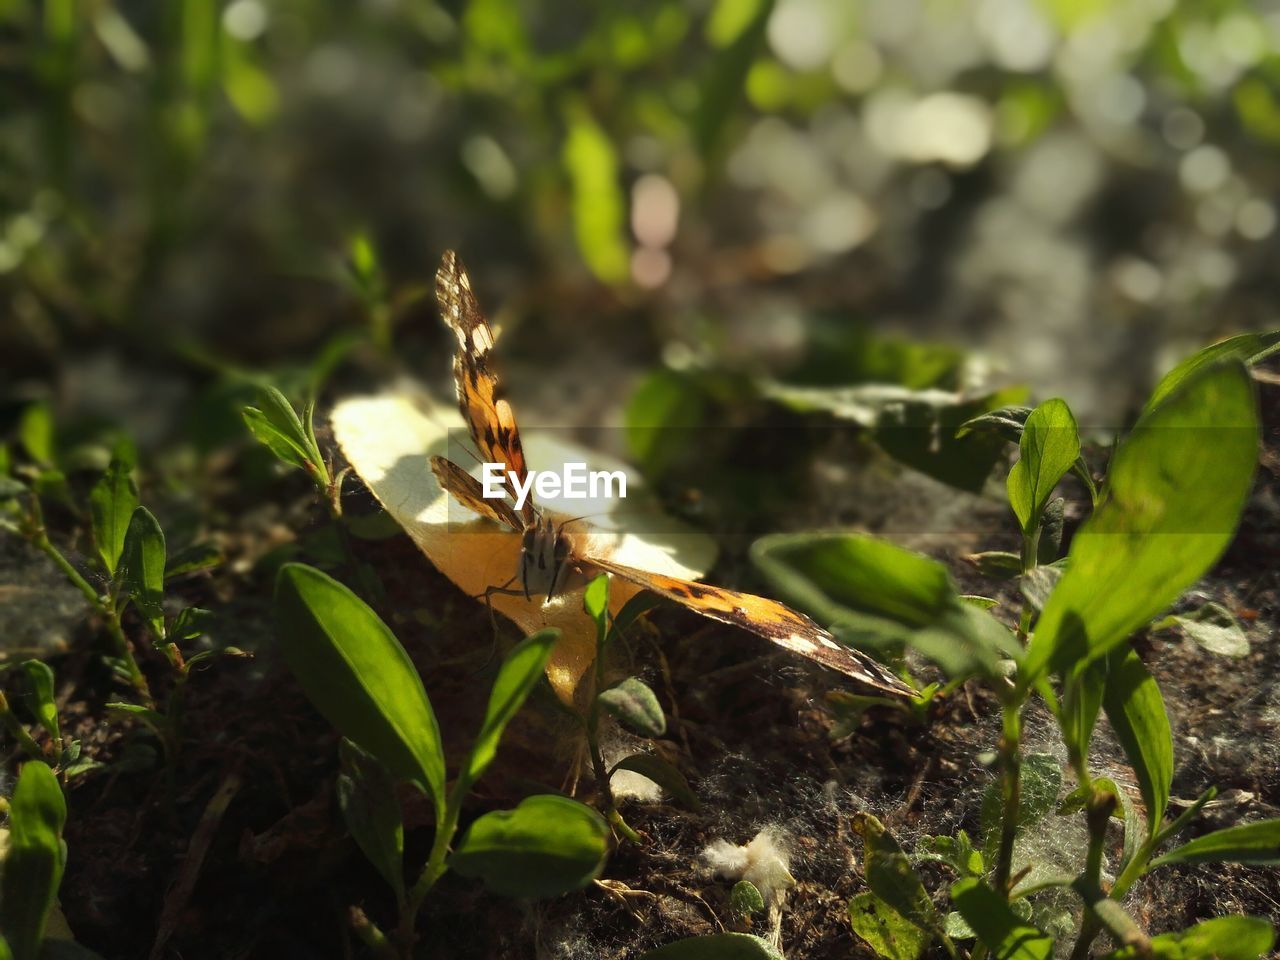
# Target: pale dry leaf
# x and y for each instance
(389, 439)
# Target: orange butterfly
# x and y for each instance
(552, 558)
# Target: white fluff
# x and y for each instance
(764, 862)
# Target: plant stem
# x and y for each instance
(18, 731)
(446, 827)
(1011, 780)
(106, 608)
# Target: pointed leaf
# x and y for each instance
(520, 672)
(356, 673)
(1223, 938)
(1049, 446)
(717, 946)
(1136, 710)
(652, 767)
(144, 560)
(1248, 348)
(112, 502)
(1248, 843)
(889, 933)
(1173, 498)
(40, 676)
(636, 707)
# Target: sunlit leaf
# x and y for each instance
(598, 206)
(1222, 938)
(112, 502)
(1049, 446)
(1174, 494)
(36, 433)
(891, 876)
(716, 946)
(1136, 710)
(636, 706)
(1257, 842)
(43, 705)
(1248, 348)
(356, 673)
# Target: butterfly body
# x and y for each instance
(555, 558)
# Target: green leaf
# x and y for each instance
(1247, 348)
(1223, 938)
(269, 435)
(1212, 626)
(631, 611)
(1039, 783)
(277, 425)
(595, 603)
(891, 877)
(1049, 446)
(144, 560)
(546, 846)
(996, 925)
(367, 798)
(1038, 583)
(112, 502)
(636, 707)
(1137, 714)
(717, 946)
(652, 767)
(1081, 702)
(356, 673)
(875, 594)
(1249, 843)
(889, 933)
(1176, 488)
(661, 418)
(35, 859)
(598, 206)
(40, 676)
(517, 677)
(996, 564)
(191, 622)
(36, 434)
(745, 899)
(1005, 423)
(957, 852)
(193, 559)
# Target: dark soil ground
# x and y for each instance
(235, 848)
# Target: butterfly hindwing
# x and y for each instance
(766, 618)
(487, 413)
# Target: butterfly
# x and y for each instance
(555, 555)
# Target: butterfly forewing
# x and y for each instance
(467, 490)
(766, 618)
(487, 413)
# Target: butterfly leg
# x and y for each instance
(504, 590)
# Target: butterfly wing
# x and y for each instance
(467, 490)
(487, 413)
(766, 618)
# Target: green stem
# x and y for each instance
(446, 827)
(1011, 781)
(18, 731)
(107, 609)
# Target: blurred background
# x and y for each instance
(1069, 194)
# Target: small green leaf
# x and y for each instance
(35, 859)
(1049, 446)
(277, 425)
(996, 925)
(717, 946)
(1212, 626)
(1052, 522)
(889, 933)
(636, 706)
(997, 564)
(519, 674)
(1222, 938)
(269, 435)
(367, 798)
(1137, 714)
(957, 852)
(546, 846)
(660, 419)
(1249, 843)
(112, 502)
(595, 603)
(40, 676)
(36, 434)
(144, 560)
(1173, 498)
(891, 877)
(1037, 584)
(356, 673)
(652, 767)
(191, 622)
(591, 163)
(193, 559)
(1005, 423)
(745, 899)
